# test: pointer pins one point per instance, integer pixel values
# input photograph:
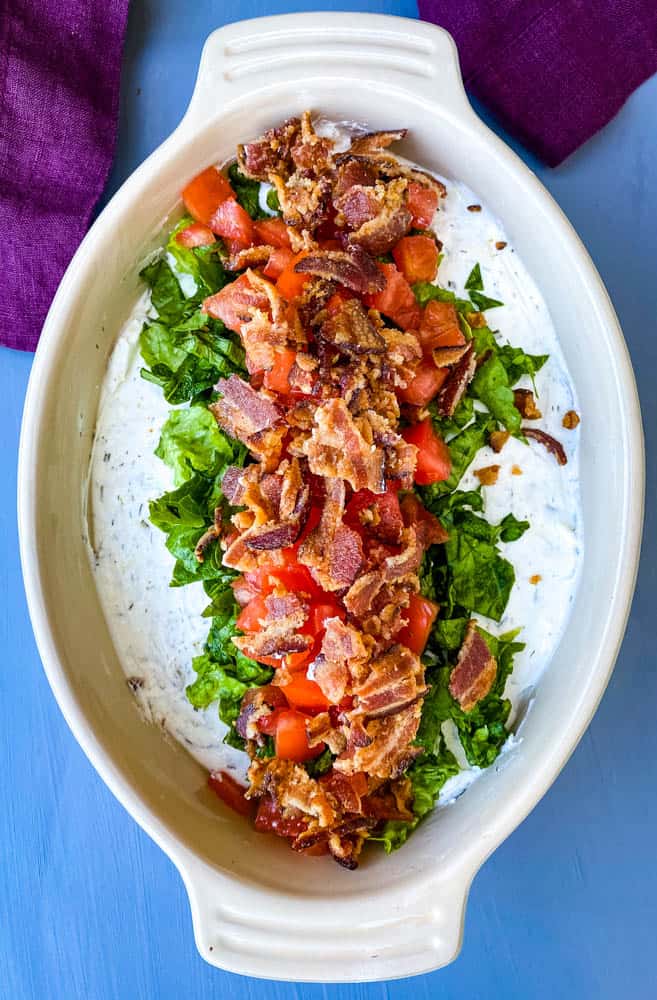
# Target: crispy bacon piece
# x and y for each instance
(312, 300)
(373, 142)
(487, 476)
(352, 172)
(271, 153)
(352, 268)
(305, 201)
(348, 790)
(391, 802)
(251, 257)
(291, 788)
(389, 752)
(553, 446)
(378, 216)
(343, 655)
(385, 165)
(332, 551)
(286, 614)
(460, 377)
(351, 331)
(231, 484)
(445, 357)
(525, 402)
(312, 154)
(498, 439)
(395, 681)
(341, 445)
(257, 703)
(208, 537)
(475, 671)
(320, 729)
(250, 417)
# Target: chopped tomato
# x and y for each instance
(249, 617)
(413, 510)
(305, 694)
(203, 195)
(272, 232)
(292, 739)
(279, 259)
(299, 661)
(320, 611)
(233, 301)
(417, 258)
(195, 235)
(270, 819)
(230, 792)
(291, 574)
(396, 300)
(277, 379)
(234, 223)
(439, 326)
(388, 520)
(422, 202)
(310, 525)
(421, 614)
(425, 383)
(434, 463)
(291, 283)
(315, 850)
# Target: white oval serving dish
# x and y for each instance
(257, 908)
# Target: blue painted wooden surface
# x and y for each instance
(90, 908)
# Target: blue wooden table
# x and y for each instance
(90, 909)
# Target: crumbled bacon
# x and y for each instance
(332, 551)
(286, 614)
(459, 378)
(553, 446)
(525, 402)
(251, 257)
(250, 417)
(388, 217)
(339, 446)
(271, 153)
(498, 439)
(352, 268)
(390, 752)
(208, 537)
(321, 729)
(475, 671)
(395, 681)
(350, 173)
(373, 142)
(291, 788)
(257, 703)
(351, 331)
(342, 657)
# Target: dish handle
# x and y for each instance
(263, 931)
(260, 54)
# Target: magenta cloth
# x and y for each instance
(553, 72)
(60, 65)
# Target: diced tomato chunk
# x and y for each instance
(439, 326)
(292, 738)
(195, 235)
(234, 223)
(388, 520)
(290, 282)
(230, 792)
(422, 202)
(271, 232)
(270, 819)
(434, 463)
(321, 610)
(421, 614)
(305, 694)
(425, 383)
(417, 258)
(205, 193)
(249, 617)
(396, 300)
(277, 379)
(279, 259)
(233, 301)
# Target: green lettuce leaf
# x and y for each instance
(192, 442)
(247, 192)
(491, 386)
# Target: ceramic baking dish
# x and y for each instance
(258, 908)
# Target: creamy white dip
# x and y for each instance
(157, 629)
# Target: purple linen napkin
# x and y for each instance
(60, 63)
(552, 71)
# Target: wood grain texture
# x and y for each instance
(91, 909)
